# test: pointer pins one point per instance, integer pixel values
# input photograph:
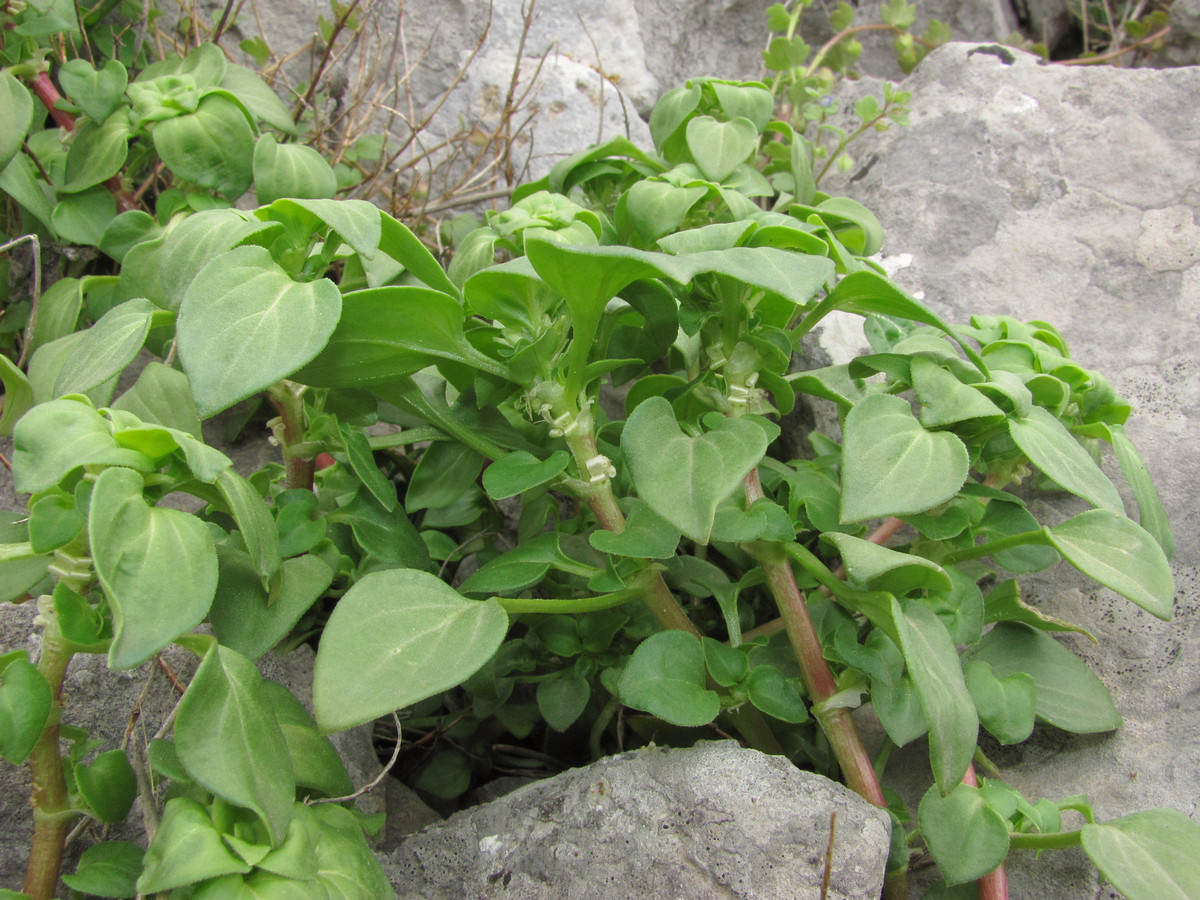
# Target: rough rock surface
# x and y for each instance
(1070, 195)
(715, 821)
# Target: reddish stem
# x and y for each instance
(993, 885)
(44, 89)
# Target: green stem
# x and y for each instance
(987, 549)
(1053, 841)
(286, 398)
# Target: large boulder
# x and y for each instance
(1070, 195)
(714, 821)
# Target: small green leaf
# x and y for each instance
(107, 869)
(521, 567)
(1147, 856)
(966, 837)
(228, 739)
(83, 218)
(665, 677)
(646, 536)
(1050, 447)
(397, 637)
(520, 471)
(244, 324)
(290, 170)
(1119, 554)
(892, 466)
(315, 762)
(53, 522)
(720, 147)
(158, 567)
(1004, 604)
(25, 700)
(107, 785)
(186, 848)
(362, 461)
(1151, 514)
(770, 693)
(658, 208)
(256, 95)
(562, 699)
(880, 568)
(944, 399)
(1068, 694)
(18, 395)
(162, 396)
(398, 242)
(1006, 706)
(682, 478)
(726, 665)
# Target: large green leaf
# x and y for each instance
(933, 666)
(256, 95)
(1119, 554)
(56, 437)
(396, 637)
(398, 242)
(196, 241)
(16, 109)
(246, 617)
(1151, 514)
(186, 848)
(290, 170)
(1147, 856)
(1068, 694)
(891, 466)
(665, 676)
(212, 147)
(389, 332)
(1050, 447)
(356, 222)
(228, 739)
(720, 147)
(794, 276)
(244, 324)
(107, 869)
(683, 478)
(108, 346)
(966, 837)
(158, 567)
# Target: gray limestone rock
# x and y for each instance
(1070, 195)
(715, 821)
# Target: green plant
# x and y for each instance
(581, 419)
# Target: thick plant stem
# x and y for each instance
(290, 431)
(993, 885)
(51, 821)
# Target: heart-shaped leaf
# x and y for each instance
(245, 324)
(720, 147)
(25, 700)
(1006, 705)
(966, 837)
(562, 700)
(1053, 449)
(646, 535)
(396, 637)
(1147, 856)
(290, 170)
(891, 466)
(682, 478)
(665, 677)
(769, 691)
(98, 92)
(229, 741)
(1119, 554)
(158, 567)
(108, 785)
